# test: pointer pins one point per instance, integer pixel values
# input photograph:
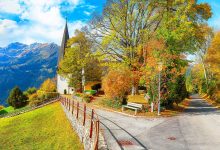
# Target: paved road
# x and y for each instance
(196, 129)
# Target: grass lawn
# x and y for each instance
(137, 99)
(7, 110)
(44, 128)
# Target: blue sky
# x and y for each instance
(29, 21)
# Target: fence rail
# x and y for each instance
(86, 120)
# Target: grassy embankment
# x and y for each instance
(210, 101)
(7, 110)
(44, 128)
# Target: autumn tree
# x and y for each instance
(118, 33)
(46, 91)
(212, 59)
(125, 27)
(117, 84)
(48, 86)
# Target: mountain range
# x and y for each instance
(26, 66)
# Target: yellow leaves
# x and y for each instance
(213, 55)
(48, 86)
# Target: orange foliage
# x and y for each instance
(117, 83)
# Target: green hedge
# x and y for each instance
(91, 92)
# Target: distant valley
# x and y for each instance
(26, 66)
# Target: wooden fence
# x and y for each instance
(85, 117)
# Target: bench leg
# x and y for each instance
(122, 109)
(135, 112)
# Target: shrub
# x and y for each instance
(16, 98)
(142, 88)
(30, 91)
(112, 103)
(96, 86)
(47, 91)
(86, 98)
(91, 92)
(1, 107)
(33, 99)
(117, 84)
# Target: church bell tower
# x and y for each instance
(62, 83)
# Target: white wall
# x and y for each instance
(62, 84)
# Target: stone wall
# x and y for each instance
(84, 131)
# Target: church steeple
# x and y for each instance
(64, 42)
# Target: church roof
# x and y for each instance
(63, 44)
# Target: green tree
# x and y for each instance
(183, 31)
(122, 29)
(79, 64)
(16, 98)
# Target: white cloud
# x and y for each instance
(43, 21)
(87, 13)
(10, 6)
(12, 32)
(7, 25)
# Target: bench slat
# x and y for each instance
(134, 104)
(130, 107)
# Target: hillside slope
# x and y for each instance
(26, 66)
(44, 128)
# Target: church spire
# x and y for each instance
(64, 42)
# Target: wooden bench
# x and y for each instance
(133, 106)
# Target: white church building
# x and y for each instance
(62, 83)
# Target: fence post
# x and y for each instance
(77, 110)
(91, 126)
(73, 107)
(69, 104)
(97, 135)
(84, 115)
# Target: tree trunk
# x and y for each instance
(205, 74)
(83, 79)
